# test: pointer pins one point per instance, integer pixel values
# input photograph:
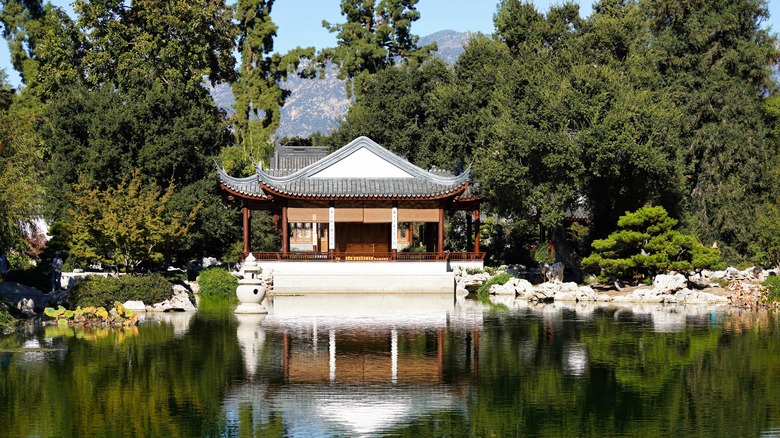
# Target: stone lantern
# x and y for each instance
(251, 289)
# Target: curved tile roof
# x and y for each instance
(248, 186)
(421, 184)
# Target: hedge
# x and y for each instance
(217, 282)
(104, 291)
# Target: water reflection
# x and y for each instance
(357, 365)
(402, 366)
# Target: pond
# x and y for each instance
(319, 366)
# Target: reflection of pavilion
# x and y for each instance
(358, 364)
(369, 339)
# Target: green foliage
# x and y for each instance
(772, 283)
(376, 34)
(21, 169)
(218, 283)
(7, 320)
(499, 279)
(126, 225)
(645, 245)
(104, 291)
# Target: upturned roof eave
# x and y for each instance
(453, 192)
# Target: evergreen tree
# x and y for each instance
(258, 95)
(377, 34)
(715, 61)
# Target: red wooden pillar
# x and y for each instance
(285, 236)
(469, 218)
(440, 247)
(476, 231)
(246, 230)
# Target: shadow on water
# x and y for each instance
(397, 365)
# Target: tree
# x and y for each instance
(125, 225)
(21, 167)
(177, 43)
(44, 44)
(257, 91)
(644, 245)
(377, 34)
(715, 61)
(413, 110)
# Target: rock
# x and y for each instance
(472, 282)
(523, 287)
(586, 293)
(135, 306)
(27, 307)
(664, 283)
(502, 289)
(603, 298)
(552, 273)
(733, 273)
(180, 301)
(209, 261)
(565, 296)
(766, 273)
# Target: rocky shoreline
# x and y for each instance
(728, 287)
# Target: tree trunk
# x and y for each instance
(571, 260)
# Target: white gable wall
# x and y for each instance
(362, 164)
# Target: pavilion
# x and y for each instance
(361, 203)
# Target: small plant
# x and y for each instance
(217, 282)
(474, 271)
(499, 279)
(772, 284)
(91, 315)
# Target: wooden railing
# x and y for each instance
(367, 256)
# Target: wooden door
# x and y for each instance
(353, 237)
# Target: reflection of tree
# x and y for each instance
(638, 383)
(149, 385)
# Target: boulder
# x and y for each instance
(665, 283)
(552, 273)
(135, 306)
(586, 293)
(27, 307)
(180, 301)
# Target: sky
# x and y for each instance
(300, 21)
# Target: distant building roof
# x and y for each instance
(291, 158)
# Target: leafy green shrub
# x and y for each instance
(217, 282)
(6, 319)
(773, 284)
(645, 245)
(499, 279)
(104, 291)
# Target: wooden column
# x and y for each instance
(246, 230)
(440, 247)
(331, 231)
(469, 218)
(476, 231)
(394, 231)
(285, 235)
(410, 235)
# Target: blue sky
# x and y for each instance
(300, 21)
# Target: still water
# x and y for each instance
(400, 366)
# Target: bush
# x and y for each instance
(499, 279)
(644, 245)
(103, 291)
(217, 282)
(773, 284)
(6, 318)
